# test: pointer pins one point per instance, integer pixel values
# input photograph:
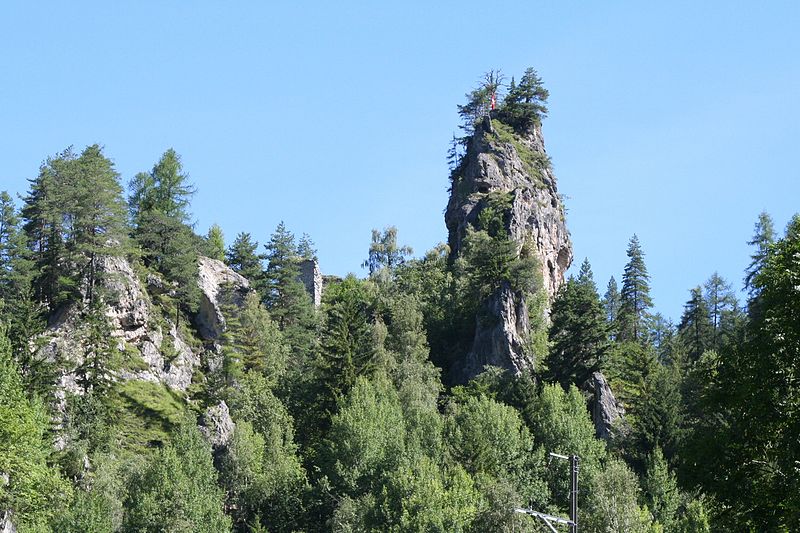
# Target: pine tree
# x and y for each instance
(578, 332)
(635, 296)
(661, 490)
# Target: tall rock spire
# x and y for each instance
(500, 160)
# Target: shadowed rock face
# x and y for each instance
(607, 413)
(500, 161)
(311, 277)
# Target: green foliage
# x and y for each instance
(525, 104)
(384, 252)
(177, 489)
(34, 491)
(560, 423)
(479, 100)
(635, 296)
(347, 336)
(285, 296)
(143, 414)
(263, 479)
(578, 333)
(661, 490)
(611, 304)
(242, 258)
(215, 243)
(696, 330)
(74, 215)
(754, 401)
(158, 203)
(367, 437)
(489, 438)
(425, 497)
(613, 502)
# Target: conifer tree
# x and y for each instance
(305, 247)
(722, 309)
(526, 103)
(215, 242)
(74, 215)
(285, 296)
(696, 330)
(611, 304)
(635, 296)
(763, 237)
(578, 332)
(159, 202)
(242, 257)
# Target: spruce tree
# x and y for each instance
(763, 237)
(578, 332)
(722, 309)
(285, 296)
(635, 296)
(242, 257)
(611, 304)
(695, 329)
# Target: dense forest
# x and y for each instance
(154, 379)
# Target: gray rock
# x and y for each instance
(217, 426)
(133, 326)
(312, 280)
(217, 280)
(521, 169)
(608, 413)
(6, 525)
(498, 340)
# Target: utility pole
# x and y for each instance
(549, 520)
(573, 493)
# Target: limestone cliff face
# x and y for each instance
(499, 160)
(151, 346)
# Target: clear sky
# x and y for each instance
(677, 122)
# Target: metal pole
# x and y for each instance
(573, 493)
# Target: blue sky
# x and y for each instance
(677, 122)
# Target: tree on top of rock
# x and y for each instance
(525, 104)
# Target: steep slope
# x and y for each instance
(498, 160)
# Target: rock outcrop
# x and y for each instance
(608, 413)
(216, 278)
(151, 346)
(217, 426)
(6, 525)
(499, 160)
(312, 280)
